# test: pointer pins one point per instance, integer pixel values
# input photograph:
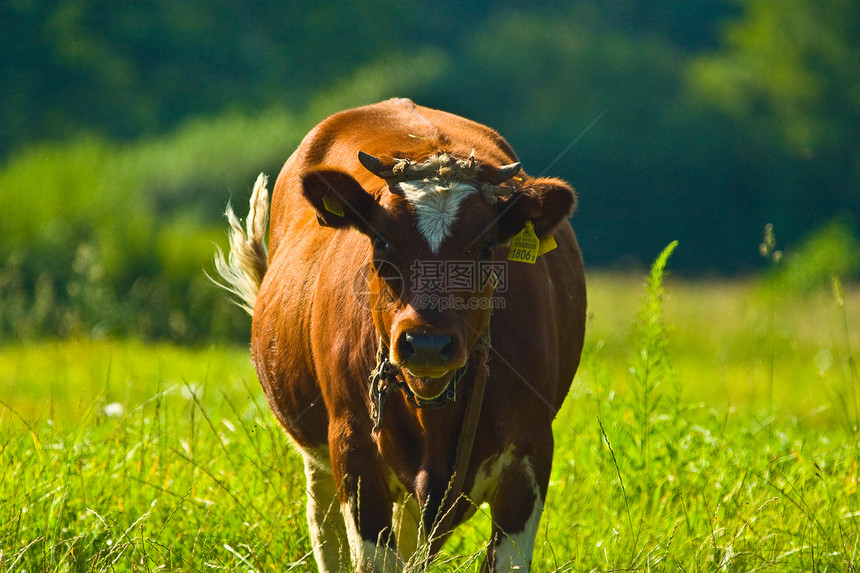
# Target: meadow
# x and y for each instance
(713, 426)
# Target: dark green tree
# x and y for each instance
(787, 76)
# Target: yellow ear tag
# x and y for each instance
(332, 205)
(546, 245)
(525, 245)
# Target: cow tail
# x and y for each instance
(242, 269)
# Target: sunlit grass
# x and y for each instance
(124, 456)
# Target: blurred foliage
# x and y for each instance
(107, 239)
(132, 68)
(832, 251)
(126, 127)
(786, 81)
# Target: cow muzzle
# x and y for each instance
(429, 359)
(425, 352)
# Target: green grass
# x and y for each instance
(713, 426)
(193, 475)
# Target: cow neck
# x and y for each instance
(386, 377)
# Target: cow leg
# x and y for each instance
(365, 502)
(325, 523)
(516, 511)
(371, 546)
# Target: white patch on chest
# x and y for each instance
(489, 474)
(514, 551)
(436, 205)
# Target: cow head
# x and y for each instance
(433, 229)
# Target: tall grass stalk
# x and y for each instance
(768, 250)
(650, 365)
(852, 378)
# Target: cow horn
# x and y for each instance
(507, 171)
(371, 163)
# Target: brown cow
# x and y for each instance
(390, 230)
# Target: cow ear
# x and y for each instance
(338, 199)
(545, 201)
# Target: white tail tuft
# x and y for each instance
(246, 263)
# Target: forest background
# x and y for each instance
(125, 127)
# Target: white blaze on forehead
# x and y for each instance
(436, 204)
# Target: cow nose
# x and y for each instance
(426, 350)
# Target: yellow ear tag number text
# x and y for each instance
(525, 245)
(332, 205)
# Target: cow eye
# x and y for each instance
(487, 251)
(379, 242)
